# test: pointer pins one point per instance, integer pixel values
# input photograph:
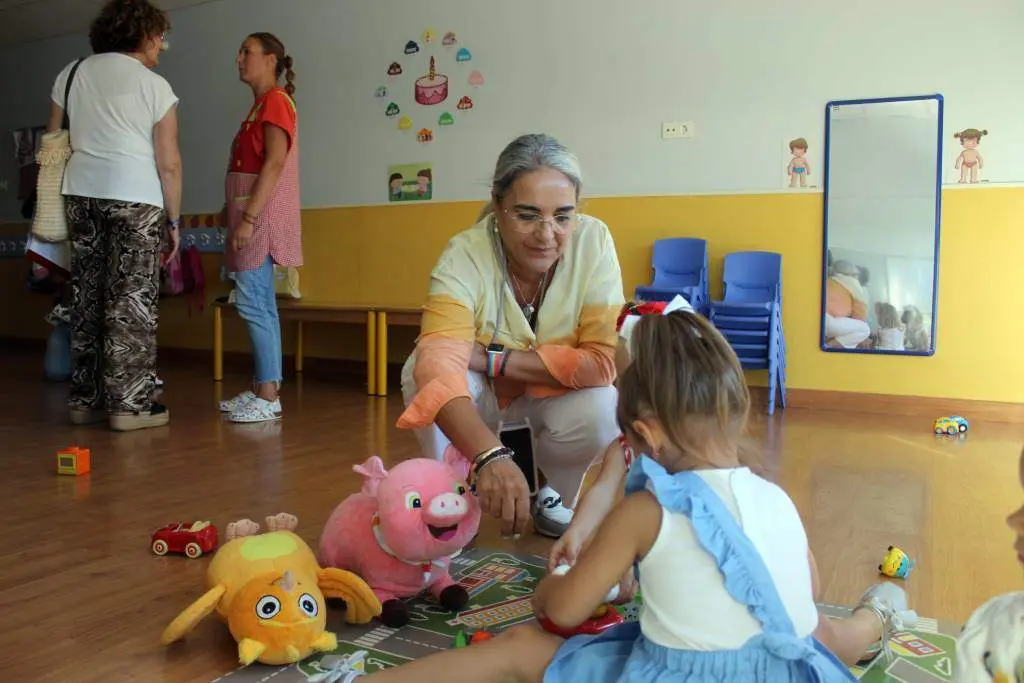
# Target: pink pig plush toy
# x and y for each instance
(401, 531)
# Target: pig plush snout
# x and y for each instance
(443, 515)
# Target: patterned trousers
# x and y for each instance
(115, 285)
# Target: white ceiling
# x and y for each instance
(23, 21)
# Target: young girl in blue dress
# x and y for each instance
(722, 554)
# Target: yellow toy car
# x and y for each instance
(952, 425)
(896, 563)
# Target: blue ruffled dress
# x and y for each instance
(623, 655)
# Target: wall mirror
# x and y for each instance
(882, 183)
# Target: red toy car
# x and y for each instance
(191, 538)
(590, 627)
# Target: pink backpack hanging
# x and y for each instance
(194, 278)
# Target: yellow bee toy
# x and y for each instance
(896, 563)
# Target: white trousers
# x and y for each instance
(569, 432)
(848, 332)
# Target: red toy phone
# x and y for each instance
(590, 627)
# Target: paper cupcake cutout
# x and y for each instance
(465, 103)
(411, 47)
(392, 110)
(381, 91)
(432, 88)
(463, 55)
(425, 135)
(446, 119)
(476, 79)
(395, 69)
(404, 123)
(428, 36)
(449, 39)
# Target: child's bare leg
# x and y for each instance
(519, 655)
(849, 639)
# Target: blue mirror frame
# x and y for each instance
(938, 223)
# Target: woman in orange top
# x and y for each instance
(262, 191)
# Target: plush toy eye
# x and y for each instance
(268, 607)
(460, 489)
(307, 603)
(413, 500)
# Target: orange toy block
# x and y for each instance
(73, 461)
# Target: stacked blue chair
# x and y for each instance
(680, 268)
(750, 316)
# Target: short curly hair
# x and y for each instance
(123, 26)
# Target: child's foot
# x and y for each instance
(889, 603)
(282, 522)
(340, 668)
(242, 528)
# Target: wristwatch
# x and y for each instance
(496, 355)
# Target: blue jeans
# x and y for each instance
(256, 303)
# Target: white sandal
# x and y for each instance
(257, 410)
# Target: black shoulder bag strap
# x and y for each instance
(66, 125)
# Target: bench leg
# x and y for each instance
(218, 345)
(371, 353)
(298, 346)
(382, 353)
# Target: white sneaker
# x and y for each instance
(230, 405)
(257, 410)
(550, 517)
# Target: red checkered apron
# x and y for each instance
(279, 226)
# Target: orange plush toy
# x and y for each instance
(270, 590)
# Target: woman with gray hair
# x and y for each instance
(519, 329)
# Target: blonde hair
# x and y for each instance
(684, 375)
(888, 316)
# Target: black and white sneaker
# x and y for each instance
(550, 517)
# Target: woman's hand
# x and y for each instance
(478, 359)
(174, 240)
(241, 236)
(503, 493)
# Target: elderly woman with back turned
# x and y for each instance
(519, 326)
(122, 189)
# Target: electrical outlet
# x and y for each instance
(676, 130)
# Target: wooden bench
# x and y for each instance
(375, 318)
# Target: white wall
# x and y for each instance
(600, 74)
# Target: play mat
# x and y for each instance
(500, 585)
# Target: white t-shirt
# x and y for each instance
(685, 603)
(115, 102)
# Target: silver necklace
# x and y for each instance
(530, 307)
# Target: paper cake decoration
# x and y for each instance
(449, 39)
(463, 55)
(432, 88)
(476, 79)
(392, 110)
(425, 135)
(395, 69)
(404, 123)
(446, 119)
(465, 103)
(428, 36)
(411, 47)
(381, 91)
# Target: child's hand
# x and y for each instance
(539, 600)
(566, 549)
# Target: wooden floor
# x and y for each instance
(83, 599)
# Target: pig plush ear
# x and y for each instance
(373, 474)
(454, 458)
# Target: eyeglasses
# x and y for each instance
(529, 221)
